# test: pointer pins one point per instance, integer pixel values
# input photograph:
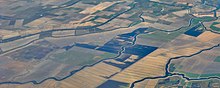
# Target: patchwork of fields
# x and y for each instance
(109, 44)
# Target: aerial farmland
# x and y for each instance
(109, 43)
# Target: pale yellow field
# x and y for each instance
(8, 34)
(151, 83)
(102, 20)
(207, 36)
(150, 18)
(126, 15)
(116, 23)
(26, 32)
(100, 6)
(38, 22)
(168, 18)
(181, 13)
(217, 25)
(149, 66)
(190, 50)
(86, 24)
(19, 23)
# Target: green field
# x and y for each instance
(217, 59)
(215, 28)
(194, 75)
(210, 75)
(190, 75)
(202, 19)
(163, 36)
(205, 19)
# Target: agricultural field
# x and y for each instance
(109, 43)
(203, 65)
(177, 81)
